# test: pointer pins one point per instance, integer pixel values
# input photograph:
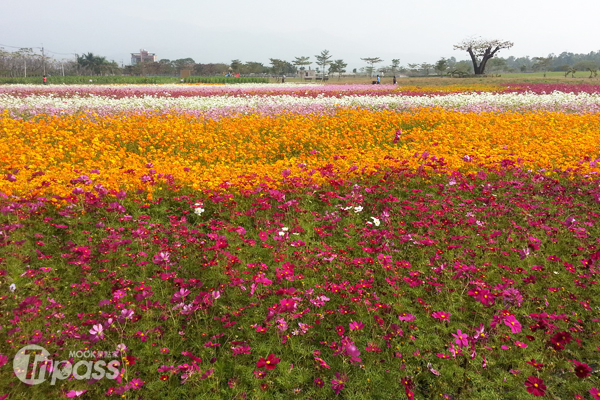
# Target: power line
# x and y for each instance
(37, 47)
(19, 47)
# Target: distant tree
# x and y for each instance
(282, 67)
(236, 65)
(371, 61)
(481, 50)
(183, 63)
(253, 67)
(300, 62)
(395, 65)
(210, 69)
(461, 68)
(497, 64)
(323, 60)
(425, 67)
(93, 63)
(414, 68)
(338, 66)
(586, 65)
(441, 66)
(542, 63)
(278, 65)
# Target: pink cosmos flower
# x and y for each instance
(74, 393)
(406, 317)
(97, 331)
(322, 362)
(512, 323)
(338, 383)
(441, 315)
(355, 326)
(462, 340)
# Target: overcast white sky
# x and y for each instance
(414, 31)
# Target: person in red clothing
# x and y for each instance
(44, 80)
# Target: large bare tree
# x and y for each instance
(481, 50)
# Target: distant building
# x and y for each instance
(307, 74)
(142, 56)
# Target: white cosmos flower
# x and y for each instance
(198, 210)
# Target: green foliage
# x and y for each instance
(105, 80)
(223, 79)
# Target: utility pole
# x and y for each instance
(43, 59)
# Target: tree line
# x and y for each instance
(483, 59)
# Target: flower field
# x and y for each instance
(301, 241)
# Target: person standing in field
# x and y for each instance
(394, 79)
(378, 79)
(44, 80)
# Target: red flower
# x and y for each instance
(269, 363)
(535, 364)
(582, 370)
(340, 330)
(560, 339)
(535, 386)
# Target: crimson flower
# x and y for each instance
(560, 339)
(535, 386)
(582, 370)
(269, 363)
(535, 364)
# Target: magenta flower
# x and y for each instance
(135, 383)
(162, 257)
(338, 383)
(441, 315)
(406, 317)
(355, 326)
(260, 374)
(74, 393)
(240, 350)
(595, 393)
(512, 323)
(462, 340)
